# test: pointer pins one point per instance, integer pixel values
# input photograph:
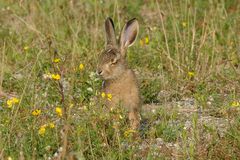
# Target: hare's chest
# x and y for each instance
(118, 92)
(125, 94)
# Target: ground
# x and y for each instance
(186, 59)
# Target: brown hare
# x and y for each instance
(119, 79)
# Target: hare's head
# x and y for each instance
(112, 61)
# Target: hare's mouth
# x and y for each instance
(102, 76)
(106, 77)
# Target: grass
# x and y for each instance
(185, 50)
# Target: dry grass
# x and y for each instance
(188, 68)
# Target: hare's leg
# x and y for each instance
(134, 119)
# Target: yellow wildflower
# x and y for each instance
(184, 24)
(51, 125)
(146, 40)
(191, 74)
(15, 100)
(59, 111)
(81, 66)
(56, 76)
(26, 48)
(56, 60)
(111, 109)
(120, 116)
(36, 112)
(42, 130)
(235, 104)
(109, 96)
(103, 95)
(12, 101)
(9, 103)
(9, 158)
(129, 132)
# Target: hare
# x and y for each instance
(118, 79)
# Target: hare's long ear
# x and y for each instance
(128, 35)
(110, 33)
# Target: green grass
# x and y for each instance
(185, 36)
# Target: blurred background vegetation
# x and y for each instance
(185, 49)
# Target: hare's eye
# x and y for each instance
(113, 61)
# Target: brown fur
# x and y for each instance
(119, 80)
(125, 92)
